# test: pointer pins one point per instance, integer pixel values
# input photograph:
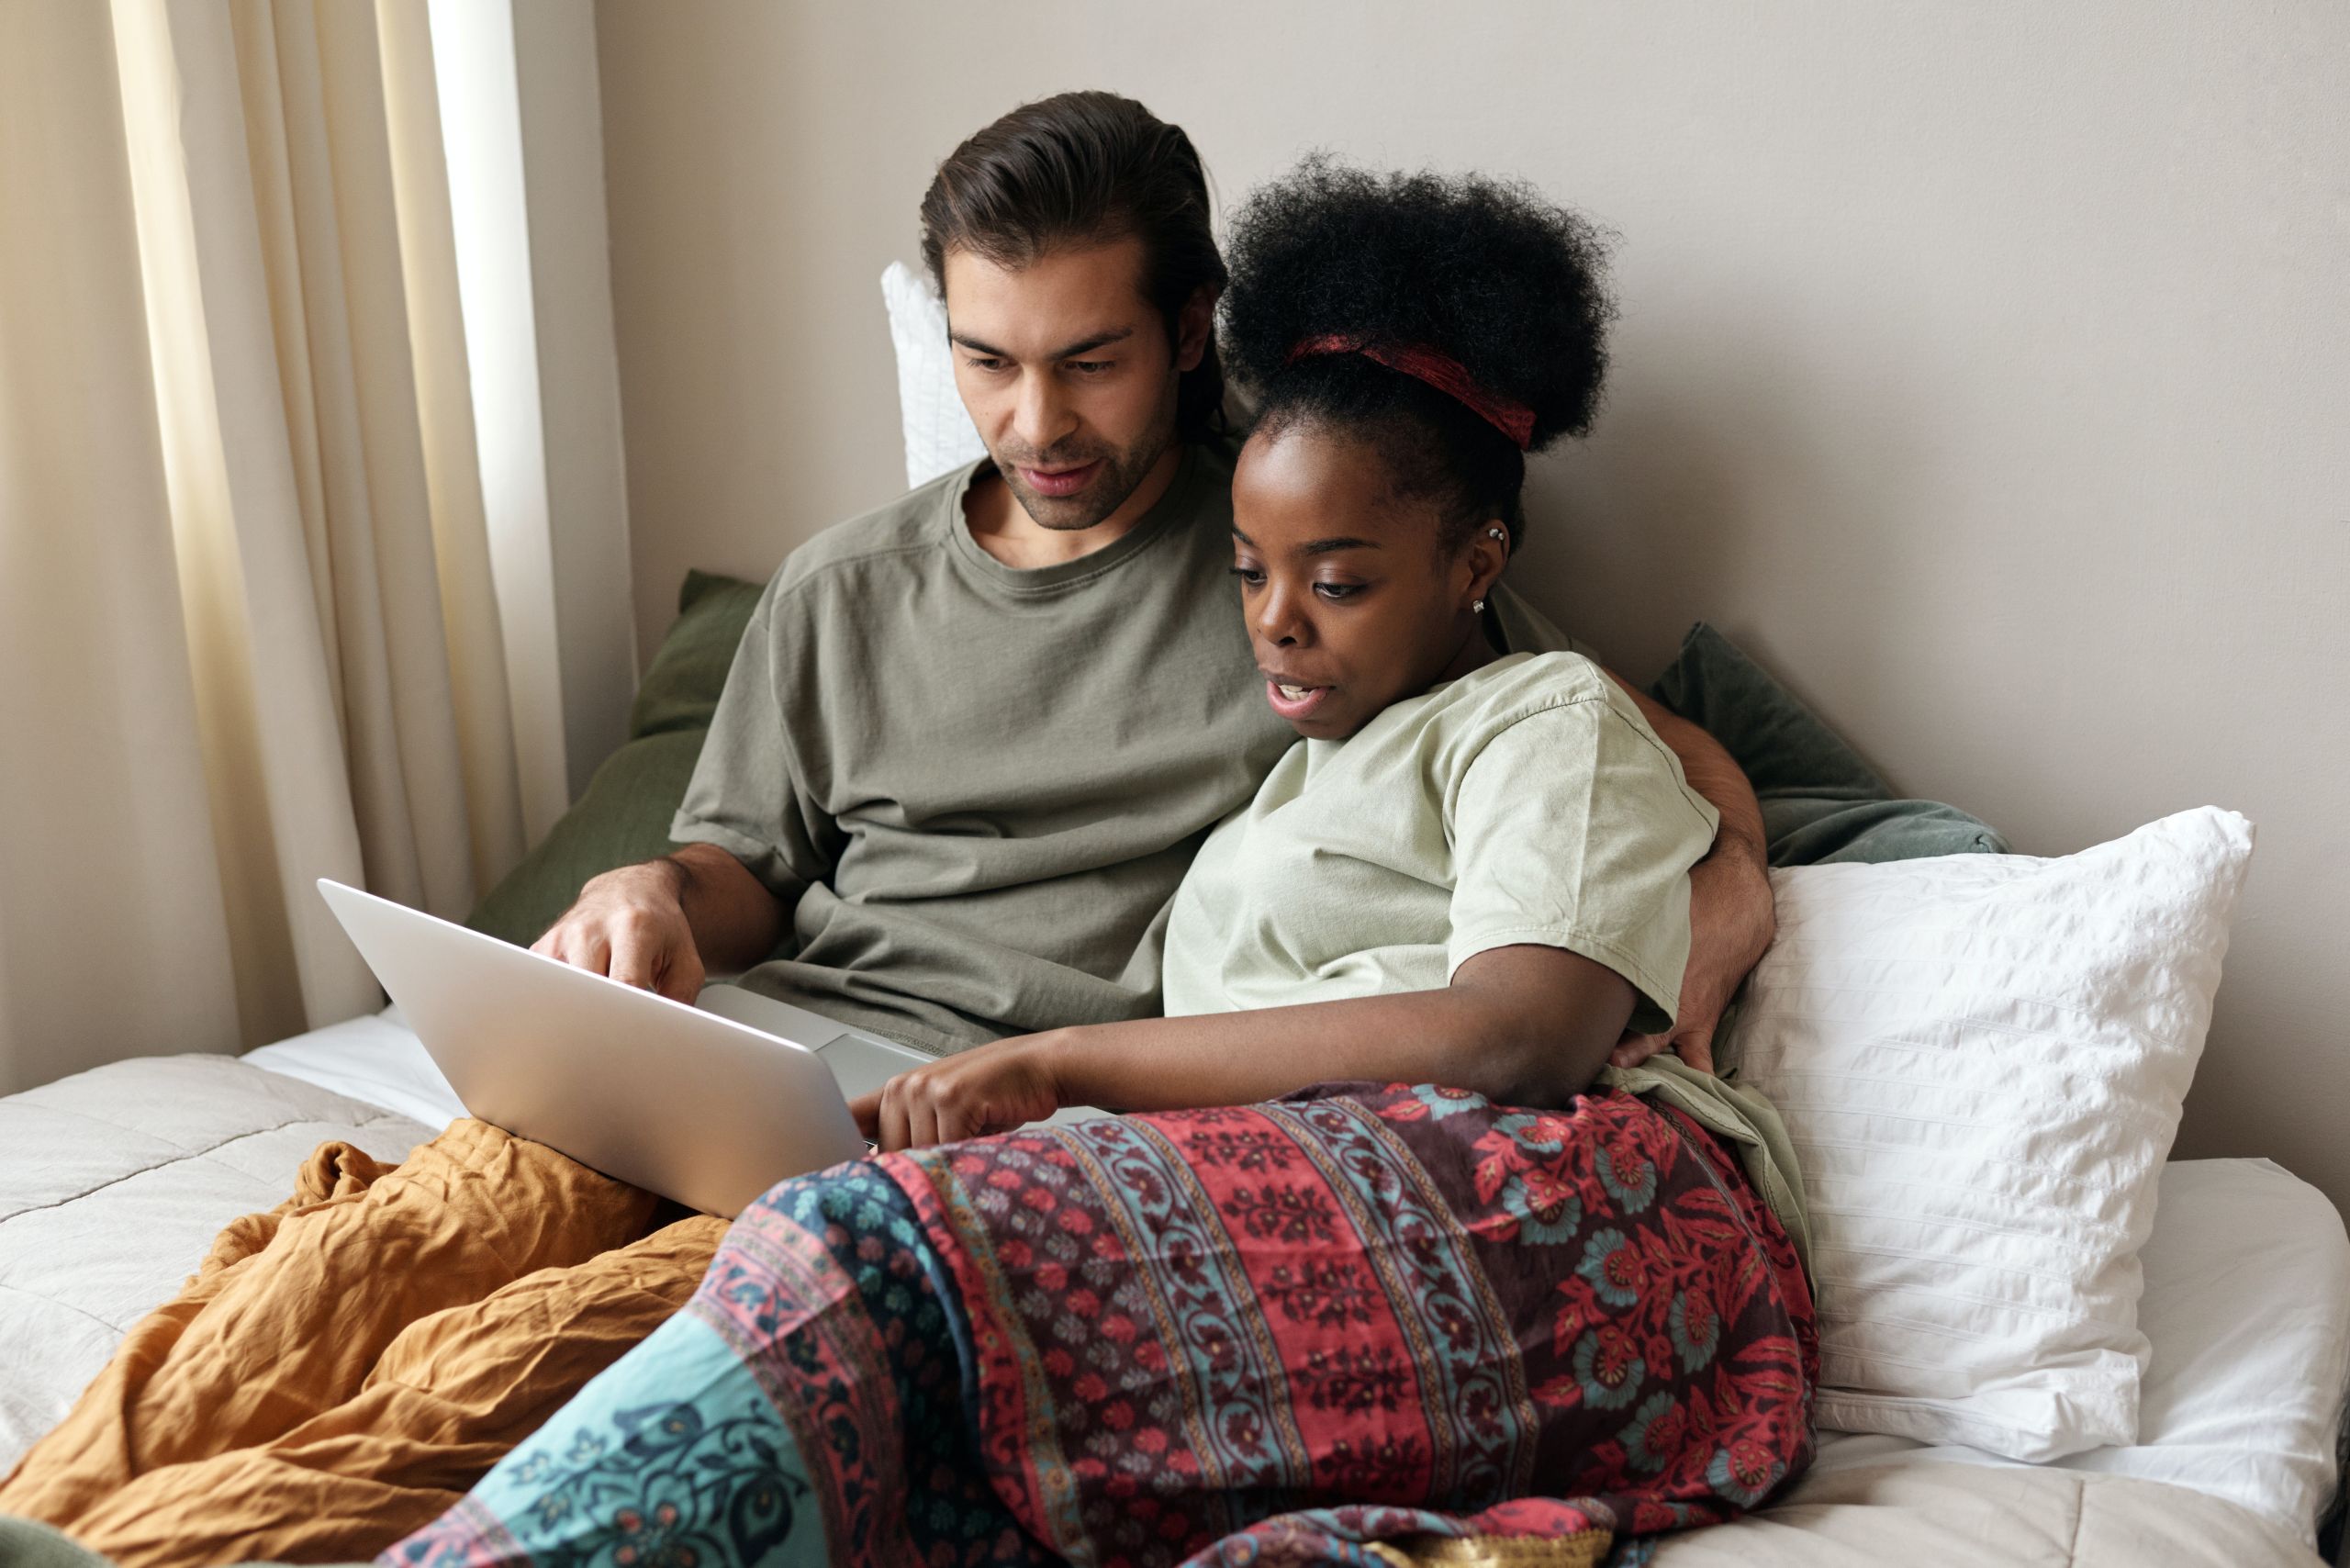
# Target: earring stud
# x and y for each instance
(1495, 533)
(1478, 608)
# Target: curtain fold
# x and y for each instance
(245, 589)
(110, 896)
(489, 741)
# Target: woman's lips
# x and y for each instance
(1060, 482)
(1295, 707)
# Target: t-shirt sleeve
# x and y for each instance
(1573, 827)
(747, 795)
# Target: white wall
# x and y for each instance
(1984, 368)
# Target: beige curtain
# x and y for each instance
(246, 613)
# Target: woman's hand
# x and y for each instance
(988, 1089)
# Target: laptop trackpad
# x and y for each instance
(862, 1066)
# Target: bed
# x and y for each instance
(115, 1181)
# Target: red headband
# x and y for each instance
(1441, 371)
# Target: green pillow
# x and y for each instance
(680, 690)
(1820, 801)
(624, 815)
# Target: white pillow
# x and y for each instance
(1981, 1060)
(939, 434)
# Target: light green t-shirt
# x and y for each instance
(1526, 802)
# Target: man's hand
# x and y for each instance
(988, 1089)
(1730, 918)
(631, 923)
(1730, 923)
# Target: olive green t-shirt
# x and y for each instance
(977, 786)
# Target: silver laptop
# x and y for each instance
(710, 1106)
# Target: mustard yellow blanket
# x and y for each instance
(342, 1368)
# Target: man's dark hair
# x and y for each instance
(1087, 168)
(1487, 273)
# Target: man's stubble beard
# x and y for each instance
(1123, 473)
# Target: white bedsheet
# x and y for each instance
(2247, 1305)
(114, 1183)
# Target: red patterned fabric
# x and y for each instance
(1355, 1327)
(1275, 1333)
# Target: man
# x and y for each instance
(971, 740)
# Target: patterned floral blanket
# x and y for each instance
(1363, 1324)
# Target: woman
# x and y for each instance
(1411, 1275)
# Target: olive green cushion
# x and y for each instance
(624, 815)
(680, 690)
(1820, 801)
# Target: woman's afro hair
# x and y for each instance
(1487, 271)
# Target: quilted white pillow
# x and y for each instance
(939, 434)
(1981, 1060)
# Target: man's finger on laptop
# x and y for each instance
(632, 960)
(681, 979)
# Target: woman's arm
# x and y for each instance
(1522, 1024)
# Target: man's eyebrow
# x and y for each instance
(1083, 345)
